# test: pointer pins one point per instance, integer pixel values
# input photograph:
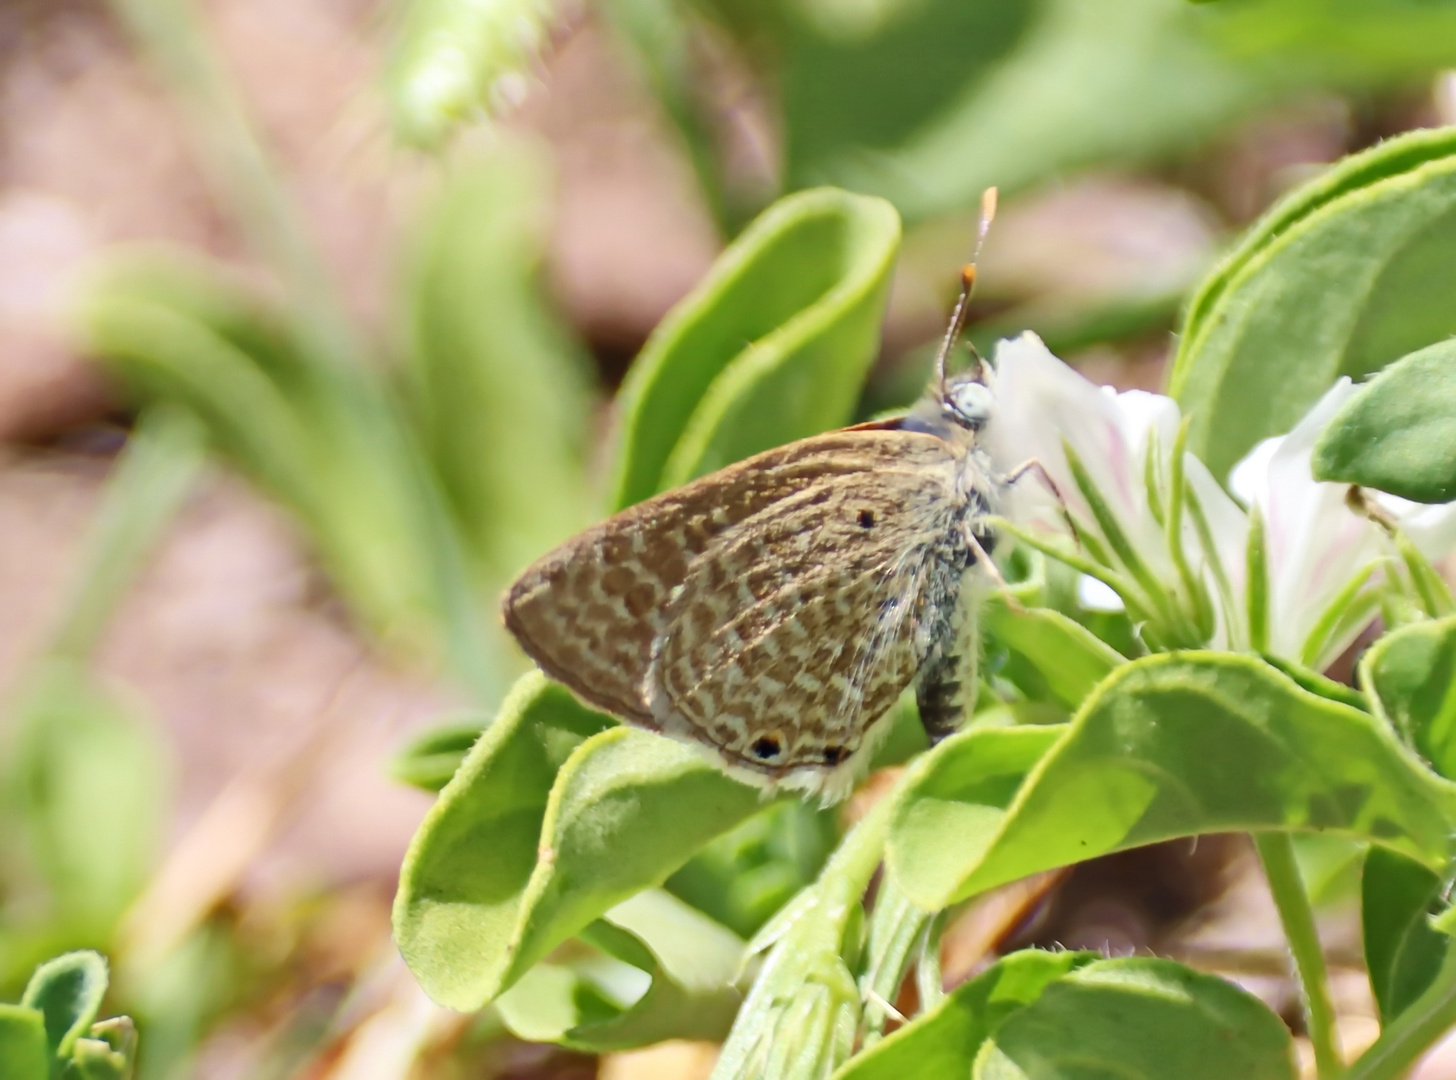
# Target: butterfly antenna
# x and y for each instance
(961, 311)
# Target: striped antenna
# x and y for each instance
(961, 311)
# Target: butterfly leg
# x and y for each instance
(983, 560)
(1035, 466)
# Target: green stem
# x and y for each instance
(152, 477)
(896, 927)
(1414, 1031)
(1276, 851)
(1256, 587)
(171, 35)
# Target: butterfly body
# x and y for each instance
(773, 611)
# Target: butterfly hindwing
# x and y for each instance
(797, 629)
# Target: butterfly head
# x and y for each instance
(967, 401)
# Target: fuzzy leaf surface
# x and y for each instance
(771, 346)
(1398, 433)
(1342, 277)
(1171, 745)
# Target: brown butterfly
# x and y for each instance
(773, 611)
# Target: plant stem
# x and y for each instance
(1413, 1032)
(153, 475)
(1276, 851)
(171, 35)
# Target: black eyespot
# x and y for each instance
(833, 755)
(866, 519)
(766, 748)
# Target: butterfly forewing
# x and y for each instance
(589, 612)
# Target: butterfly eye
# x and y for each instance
(866, 519)
(971, 402)
(766, 748)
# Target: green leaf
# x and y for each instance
(108, 1052)
(896, 926)
(463, 878)
(800, 1017)
(1139, 1018)
(941, 1043)
(1315, 683)
(24, 1054)
(92, 777)
(153, 476)
(317, 434)
(627, 810)
(691, 961)
(860, 78)
(1070, 659)
(515, 857)
(1345, 275)
(1410, 677)
(955, 799)
(434, 757)
(1329, 866)
(1170, 745)
(313, 426)
(1398, 432)
(741, 878)
(1406, 1038)
(454, 60)
(67, 991)
(1403, 953)
(94, 1059)
(1121, 80)
(770, 347)
(1014, 93)
(497, 387)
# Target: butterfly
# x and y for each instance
(773, 611)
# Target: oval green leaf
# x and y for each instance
(463, 879)
(67, 992)
(517, 857)
(1403, 952)
(24, 1054)
(1068, 657)
(770, 347)
(1398, 433)
(1170, 745)
(495, 385)
(431, 759)
(1342, 277)
(692, 963)
(92, 779)
(1139, 1018)
(942, 1043)
(318, 437)
(627, 810)
(1410, 677)
(955, 800)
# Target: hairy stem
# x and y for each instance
(1276, 851)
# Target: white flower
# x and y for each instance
(1045, 408)
(1316, 547)
(1186, 580)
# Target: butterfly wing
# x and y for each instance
(590, 611)
(794, 632)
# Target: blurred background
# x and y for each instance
(395, 259)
